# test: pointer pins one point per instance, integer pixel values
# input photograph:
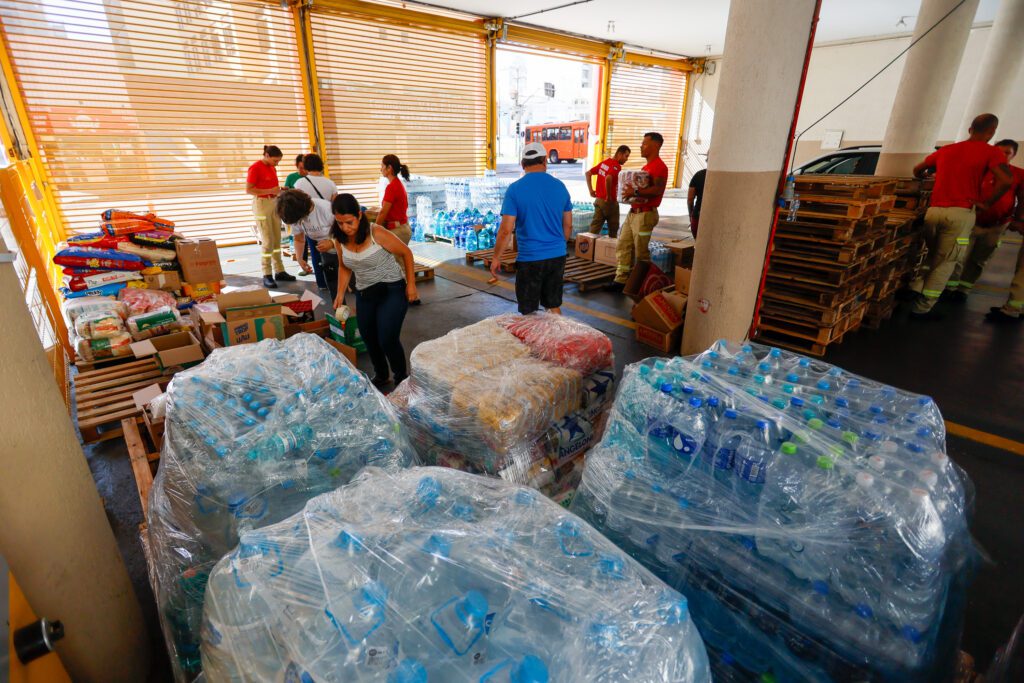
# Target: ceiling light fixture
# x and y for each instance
(902, 23)
(611, 26)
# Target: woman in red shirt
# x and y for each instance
(261, 182)
(394, 209)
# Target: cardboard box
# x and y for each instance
(346, 350)
(243, 317)
(604, 250)
(682, 280)
(177, 350)
(320, 328)
(154, 425)
(585, 243)
(662, 310)
(644, 279)
(167, 280)
(683, 251)
(346, 332)
(199, 260)
(666, 342)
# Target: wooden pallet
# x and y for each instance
(795, 338)
(852, 187)
(508, 259)
(104, 397)
(814, 206)
(785, 267)
(437, 238)
(144, 459)
(813, 249)
(878, 313)
(834, 228)
(423, 273)
(587, 275)
(778, 305)
(89, 365)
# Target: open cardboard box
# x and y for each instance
(348, 351)
(176, 350)
(659, 318)
(154, 425)
(644, 279)
(243, 317)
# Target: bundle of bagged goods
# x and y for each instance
(520, 397)
(430, 574)
(811, 516)
(251, 435)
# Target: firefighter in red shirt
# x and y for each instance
(643, 214)
(959, 171)
(261, 182)
(988, 230)
(606, 194)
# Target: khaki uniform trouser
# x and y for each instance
(268, 231)
(983, 243)
(947, 234)
(1015, 302)
(605, 211)
(633, 241)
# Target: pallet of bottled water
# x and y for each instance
(252, 434)
(488, 193)
(582, 217)
(430, 574)
(811, 516)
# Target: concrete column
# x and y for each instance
(1000, 65)
(925, 85)
(54, 533)
(756, 101)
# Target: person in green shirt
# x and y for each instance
(299, 172)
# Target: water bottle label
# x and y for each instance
(724, 458)
(752, 471)
(381, 657)
(684, 443)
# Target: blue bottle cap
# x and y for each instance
(834, 423)
(775, 353)
(568, 527)
(863, 611)
(645, 369)
(804, 363)
(746, 348)
(438, 545)
(759, 379)
(823, 385)
(713, 402)
(875, 410)
(427, 490)
(347, 541)
(793, 377)
(924, 400)
(687, 389)
(531, 669)
(472, 609)
(764, 367)
(915, 447)
(696, 402)
(733, 370)
(924, 432)
(375, 593)
(673, 609)
(731, 414)
(707, 364)
(842, 403)
(666, 388)
(408, 671)
(762, 424)
(820, 587)
(911, 634)
(779, 403)
(713, 355)
(797, 402)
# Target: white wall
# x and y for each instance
(835, 71)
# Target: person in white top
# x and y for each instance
(311, 220)
(315, 183)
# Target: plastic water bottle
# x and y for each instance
(459, 622)
(752, 459)
(719, 453)
(529, 669)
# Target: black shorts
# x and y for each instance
(539, 283)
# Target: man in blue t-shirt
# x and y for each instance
(538, 209)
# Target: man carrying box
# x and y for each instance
(538, 208)
(606, 195)
(643, 215)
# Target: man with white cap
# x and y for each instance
(538, 209)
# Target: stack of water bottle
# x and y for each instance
(428, 187)
(662, 256)
(252, 434)
(468, 229)
(520, 397)
(422, 220)
(811, 516)
(582, 215)
(432, 575)
(487, 193)
(456, 192)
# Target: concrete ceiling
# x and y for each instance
(687, 27)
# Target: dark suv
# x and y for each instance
(848, 161)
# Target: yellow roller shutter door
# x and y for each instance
(411, 89)
(644, 99)
(158, 105)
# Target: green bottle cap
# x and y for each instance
(815, 423)
(825, 462)
(850, 438)
(837, 450)
(788, 448)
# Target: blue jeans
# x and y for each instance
(310, 253)
(381, 310)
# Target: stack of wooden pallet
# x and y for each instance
(825, 261)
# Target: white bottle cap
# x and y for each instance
(919, 496)
(939, 459)
(865, 480)
(877, 463)
(928, 478)
(888, 447)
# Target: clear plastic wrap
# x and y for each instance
(100, 324)
(141, 301)
(73, 308)
(520, 397)
(251, 435)
(155, 322)
(811, 516)
(632, 181)
(117, 345)
(430, 574)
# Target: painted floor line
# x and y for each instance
(1002, 443)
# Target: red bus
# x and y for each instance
(563, 141)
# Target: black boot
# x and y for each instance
(268, 282)
(284, 277)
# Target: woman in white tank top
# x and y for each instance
(383, 288)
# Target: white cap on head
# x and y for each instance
(534, 150)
